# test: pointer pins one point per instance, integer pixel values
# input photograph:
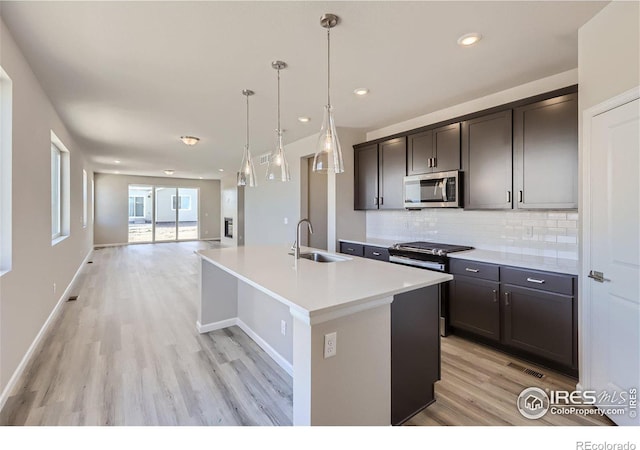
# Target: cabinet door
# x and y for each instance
(366, 177)
(420, 153)
(446, 142)
(393, 169)
(538, 322)
(474, 306)
(487, 161)
(545, 146)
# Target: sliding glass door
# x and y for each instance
(162, 214)
(140, 213)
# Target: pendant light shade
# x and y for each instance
(277, 167)
(247, 173)
(328, 157)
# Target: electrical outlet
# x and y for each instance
(330, 344)
(54, 288)
(283, 327)
(528, 232)
(206, 232)
(286, 221)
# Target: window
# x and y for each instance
(84, 198)
(184, 202)
(60, 211)
(6, 108)
(136, 206)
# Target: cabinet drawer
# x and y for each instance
(379, 253)
(475, 269)
(544, 281)
(352, 249)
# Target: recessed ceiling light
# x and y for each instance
(469, 39)
(361, 91)
(117, 161)
(116, 172)
(190, 140)
(169, 171)
(220, 170)
(304, 119)
(200, 178)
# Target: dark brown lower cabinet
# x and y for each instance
(538, 322)
(415, 351)
(474, 306)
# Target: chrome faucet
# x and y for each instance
(296, 244)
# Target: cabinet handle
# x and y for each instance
(471, 270)
(375, 201)
(376, 253)
(495, 296)
(430, 162)
(508, 196)
(507, 295)
(350, 250)
(382, 200)
(533, 280)
(435, 162)
(520, 196)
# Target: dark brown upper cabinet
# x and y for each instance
(487, 161)
(366, 177)
(379, 173)
(392, 169)
(545, 151)
(436, 150)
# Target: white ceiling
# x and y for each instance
(129, 78)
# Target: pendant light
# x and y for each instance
(247, 173)
(277, 168)
(328, 157)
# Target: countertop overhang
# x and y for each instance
(315, 291)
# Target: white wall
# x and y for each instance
(26, 292)
(268, 204)
(112, 205)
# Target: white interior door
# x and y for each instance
(613, 316)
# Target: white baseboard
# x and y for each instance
(158, 242)
(264, 345)
(17, 374)
(213, 326)
(269, 350)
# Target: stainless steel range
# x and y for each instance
(432, 256)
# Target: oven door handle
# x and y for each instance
(432, 265)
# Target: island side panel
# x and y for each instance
(218, 298)
(261, 317)
(354, 386)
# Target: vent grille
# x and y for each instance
(73, 298)
(527, 370)
(264, 159)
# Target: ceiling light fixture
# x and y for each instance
(117, 161)
(469, 39)
(117, 172)
(190, 140)
(277, 167)
(220, 170)
(361, 91)
(169, 171)
(247, 173)
(328, 157)
(304, 119)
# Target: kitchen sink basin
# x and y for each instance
(322, 257)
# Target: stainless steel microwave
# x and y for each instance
(433, 190)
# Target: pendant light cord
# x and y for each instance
(328, 66)
(279, 102)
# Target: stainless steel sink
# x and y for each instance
(323, 257)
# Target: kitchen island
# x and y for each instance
(329, 325)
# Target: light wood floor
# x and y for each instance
(127, 353)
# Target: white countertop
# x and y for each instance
(558, 265)
(319, 288)
(372, 242)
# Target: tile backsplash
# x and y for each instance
(541, 233)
